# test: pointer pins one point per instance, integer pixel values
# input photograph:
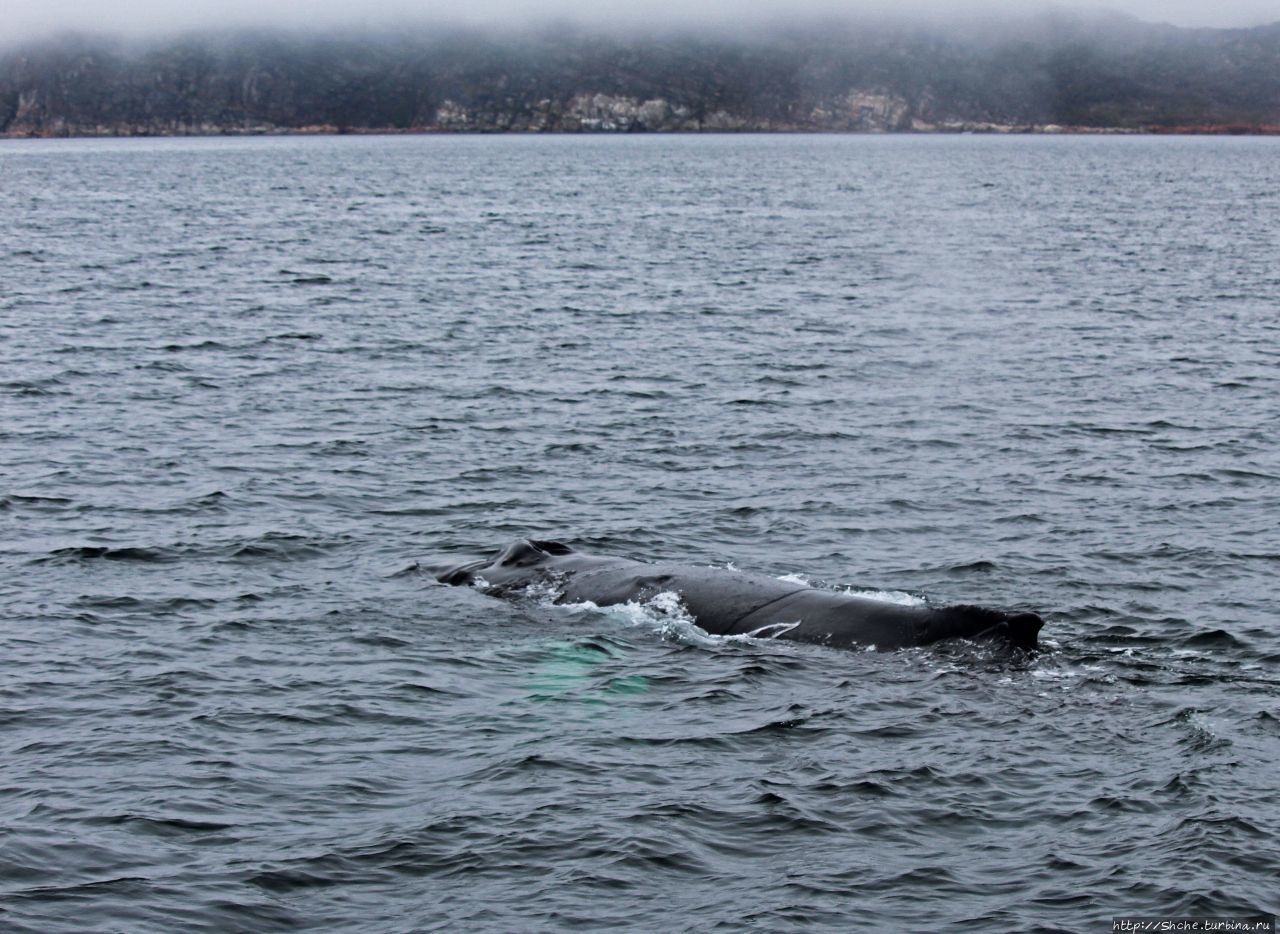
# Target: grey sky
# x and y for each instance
(24, 18)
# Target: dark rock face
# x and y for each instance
(1053, 71)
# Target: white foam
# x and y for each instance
(658, 610)
(663, 612)
(544, 591)
(899, 597)
(666, 614)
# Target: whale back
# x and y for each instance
(725, 602)
(714, 597)
(964, 621)
(839, 619)
(521, 563)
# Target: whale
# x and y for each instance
(726, 602)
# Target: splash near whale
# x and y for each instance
(732, 603)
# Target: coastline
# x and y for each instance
(956, 129)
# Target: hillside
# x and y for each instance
(1068, 70)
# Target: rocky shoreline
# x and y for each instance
(1046, 75)
(858, 112)
(207, 130)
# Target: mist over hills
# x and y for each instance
(1053, 69)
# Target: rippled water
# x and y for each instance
(252, 390)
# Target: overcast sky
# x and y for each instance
(25, 18)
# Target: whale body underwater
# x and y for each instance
(733, 603)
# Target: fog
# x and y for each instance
(33, 18)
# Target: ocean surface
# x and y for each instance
(253, 391)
